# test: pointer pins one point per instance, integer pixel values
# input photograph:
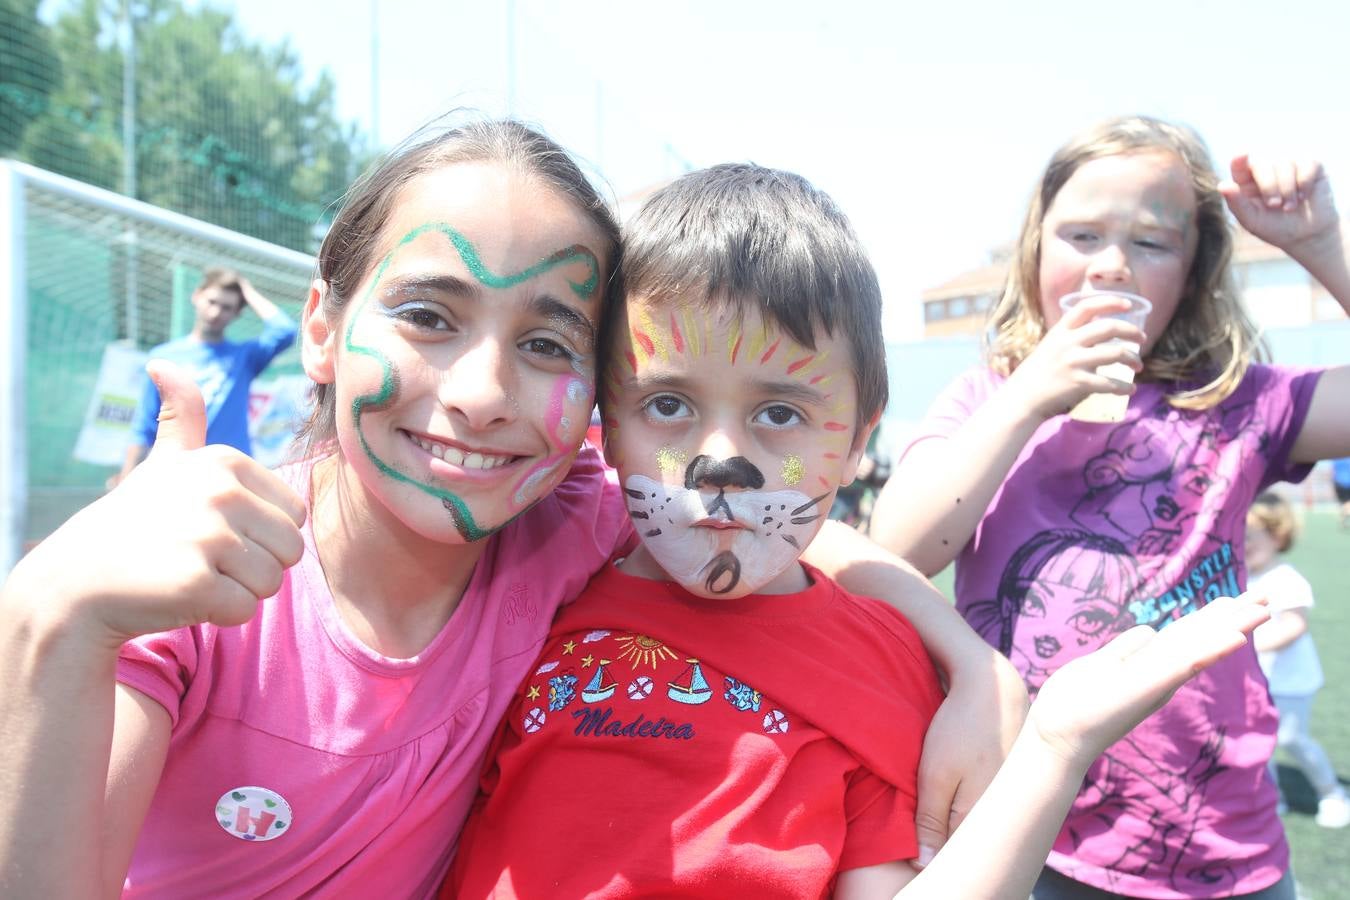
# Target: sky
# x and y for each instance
(928, 123)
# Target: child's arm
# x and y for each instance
(193, 535)
(986, 699)
(1081, 710)
(1291, 206)
(1289, 626)
(941, 487)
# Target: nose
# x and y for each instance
(479, 386)
(1109, 267)
(720, 464)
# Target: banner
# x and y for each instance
(276, 407)
(107, 419)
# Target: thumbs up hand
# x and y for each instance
(194, 534)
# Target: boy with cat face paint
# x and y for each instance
(712, 715)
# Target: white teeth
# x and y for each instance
(457, 457)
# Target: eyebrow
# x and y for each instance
(440, 283)
(778, 389)
(565, 317)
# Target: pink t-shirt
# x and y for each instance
(303, 762)
(1098, 528)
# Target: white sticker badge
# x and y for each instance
(253, 814)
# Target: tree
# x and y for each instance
(29, 69)
(226, 131)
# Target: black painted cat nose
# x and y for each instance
(704, 471)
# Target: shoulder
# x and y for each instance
(1276, 381)
(870, 623)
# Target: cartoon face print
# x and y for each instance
(731, 441)
(1161, 479)
(464, 367)
(1124, 223)
(1063, 594)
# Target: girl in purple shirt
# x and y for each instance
(1067, 532)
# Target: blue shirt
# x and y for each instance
(1340, 471)
(223, 372)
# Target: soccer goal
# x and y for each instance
(90, 280)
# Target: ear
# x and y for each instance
(856, 451)
(318, 337)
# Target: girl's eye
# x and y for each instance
(1033, 605)
(1082, 237)
(423, 318)
(1151, 245)
(1090, 621)
(667, 407)
(778, 416)
(546, 347)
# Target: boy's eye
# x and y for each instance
(778, 416)
(422, 317)
(1150, 245)
(667, 407)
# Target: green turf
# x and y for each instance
(1321, 856)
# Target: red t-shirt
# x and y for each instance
(692, 747)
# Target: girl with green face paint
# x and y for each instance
(410, 563)
(411, 560)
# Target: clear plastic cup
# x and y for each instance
(1109, 407)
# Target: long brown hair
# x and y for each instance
(1206, 348)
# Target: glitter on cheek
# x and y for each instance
(793, 470)
(670, 461)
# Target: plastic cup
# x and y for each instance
(1109, 407)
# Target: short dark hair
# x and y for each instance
(221, 277)
(767, 240)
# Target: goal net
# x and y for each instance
(89, 281)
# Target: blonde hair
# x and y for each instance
(1272, 514)
(1210, 338)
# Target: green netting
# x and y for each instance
(175, 107)
(98, 275)
(221, 128)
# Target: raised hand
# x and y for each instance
(194, 534)
(1288, 204)
(1094, 700)
(1062, 370)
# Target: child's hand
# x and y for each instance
(1286, 204)
(192, 535)
(1062, 370)
(1093, 701)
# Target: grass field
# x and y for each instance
(1321, 856)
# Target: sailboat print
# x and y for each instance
(601, 686)
(694, 689)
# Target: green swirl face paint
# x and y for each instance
(570, 392)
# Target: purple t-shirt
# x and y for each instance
(1097, 528)
(304, 763)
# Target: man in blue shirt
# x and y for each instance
(223, 369)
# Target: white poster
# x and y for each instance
(107, 420)
(276, 408)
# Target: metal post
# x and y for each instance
(14, 347)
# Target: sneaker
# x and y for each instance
(1333, 811)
